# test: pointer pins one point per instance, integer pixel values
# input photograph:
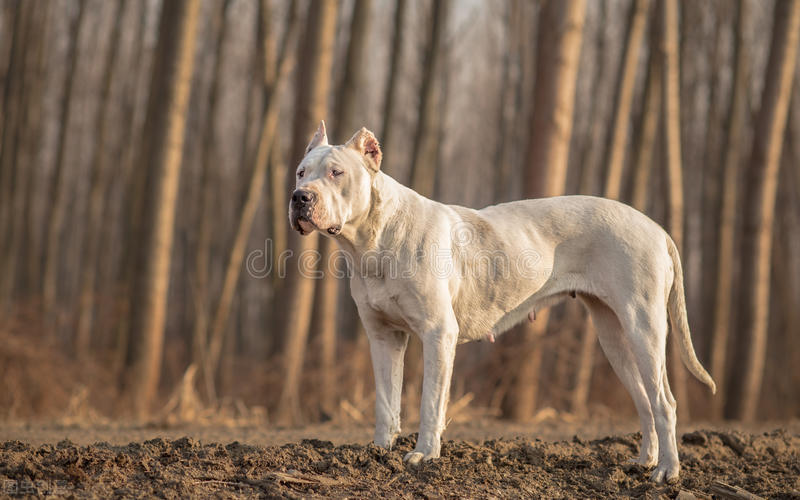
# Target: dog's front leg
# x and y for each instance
(387, 349)
(439, 349)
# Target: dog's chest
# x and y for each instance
(383, 298)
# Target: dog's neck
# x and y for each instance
(364, 233)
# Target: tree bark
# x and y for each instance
(28, 244)
(277, 164)
(10, 14)
(731, 157)
(709, 192)
(345, 109)
(647, 128)
(313, 84)
(166, 124)
(279, 221)
(21, 114)
(135, 93)
(10, 130)
(592, 148)
(509, 84)
(762, 177)
(617, 138)
(58, 191)
(558, 55)
(423, 163)
(267, 41)
(97, 192)
(208, 181)
(390, 95)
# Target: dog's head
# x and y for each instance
(333, 183)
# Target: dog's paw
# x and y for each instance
(415, 458)
(665, 473)
(386, 441)
(646, 462)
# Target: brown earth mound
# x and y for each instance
(765, 464)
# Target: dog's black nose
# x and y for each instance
(303, 197)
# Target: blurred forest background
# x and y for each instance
(144, 151)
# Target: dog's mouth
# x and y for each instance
(304, 224)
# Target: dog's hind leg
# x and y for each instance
(618, 351)
(648, 338)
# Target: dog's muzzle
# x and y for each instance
(301, 207)
(302, 213)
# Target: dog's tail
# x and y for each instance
(676, 304)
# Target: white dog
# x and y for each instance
(451, 274)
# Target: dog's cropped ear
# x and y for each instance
(320, 137)
(365, 143)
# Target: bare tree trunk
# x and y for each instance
(592, 149)
(785, 289)
(267, 41)
(583, 376)
(277, 165)
(791, 282)
(731, 157)
(390, 95)
(671, 105)
(133, 132)
(512, 73)
(208, 181)
(58, 191)
(794, 125)
(709, 193)
(326, 314)
(314, 75)
(558, 55)
(423, 163)
(11, 123)
(248, 212)
(617, 138)
(20, 137)
(672, 142)
(97, 192)
(166, 124)
(27, 241)
(760, 208)
(279, 204)
(10, 14)
(644, 155)
(345, 107)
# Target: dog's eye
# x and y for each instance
(300, 174)
(336, 172)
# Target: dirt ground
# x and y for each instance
(489, 458)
